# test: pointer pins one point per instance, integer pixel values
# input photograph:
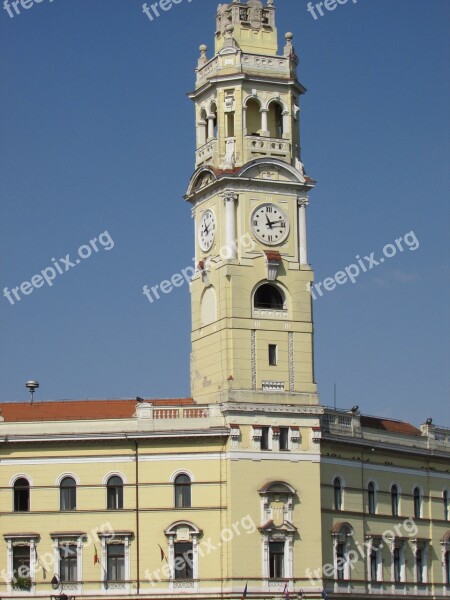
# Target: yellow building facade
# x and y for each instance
(249, 487)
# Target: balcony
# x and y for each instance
(206, 153)
(257, 146)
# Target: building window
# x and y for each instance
(20, 562)
(276, 560)
(340, 562)
(253, 117)
(445, 502)
(115, 562)
(21, 495)
(447, 568)
(275, 120)
(68, 494)
(114, 493)
(419, 566)
(182, 491)
(374, 565)
(417, 503)
(371, 498)
(68, 562)
(183, 552)
(394, 501)
(284, 438)
(184, 563)
(273, 355)
(397, 566)
(268, 296)
(337, 489)
(265, 438)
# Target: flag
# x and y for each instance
(244, 595)
(286, 592)
(95, 555)
(163, 555)
(38, 561)
(324, 595)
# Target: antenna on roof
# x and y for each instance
(32, 386)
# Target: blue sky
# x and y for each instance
(97, 133)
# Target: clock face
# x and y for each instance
(207, 230)
(269, 224)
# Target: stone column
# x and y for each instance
(230, 198)
(264, 122)
(211, 127)
(302, 235)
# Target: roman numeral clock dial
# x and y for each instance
(207, 231)
(269, 224)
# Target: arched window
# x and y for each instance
(182, 491)
(275, 120)
(447, 568)
(202, 128)
(268, 296)
(342, 534)
(212, 130)
(68, 494)
(395, 498)
(114, 493)
(419, 566)
(417, 503)
(445, 503)
(253, 117)
(371, 498)
(337, 489)
(21, 495)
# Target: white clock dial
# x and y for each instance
(207, 230)
(269, 224)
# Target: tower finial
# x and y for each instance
(203, 58)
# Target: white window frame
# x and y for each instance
(424, 547)
(400, 544)
(20, 539)
(342, 537)
(117, 537)
(288, 539)
(373, 545)
(72, 539)
(183, 531)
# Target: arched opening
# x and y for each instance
(202, 128)
(268, 296)
(212, 122)
(253, 117)
(275, 120)
(337, 490)
(114, 493)
(68, 494)
(21, 495)
(182, 491)
(417, 503)
(394, 501)
(371, 498)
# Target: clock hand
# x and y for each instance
(269, 222)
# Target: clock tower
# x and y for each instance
(252, 328)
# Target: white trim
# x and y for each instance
(64, 475)
(114, 474)
(181, 472)
(14, 478)
(385, 469)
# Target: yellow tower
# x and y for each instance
(252, 328)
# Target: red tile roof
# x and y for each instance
(78, 410)
(389, 425)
